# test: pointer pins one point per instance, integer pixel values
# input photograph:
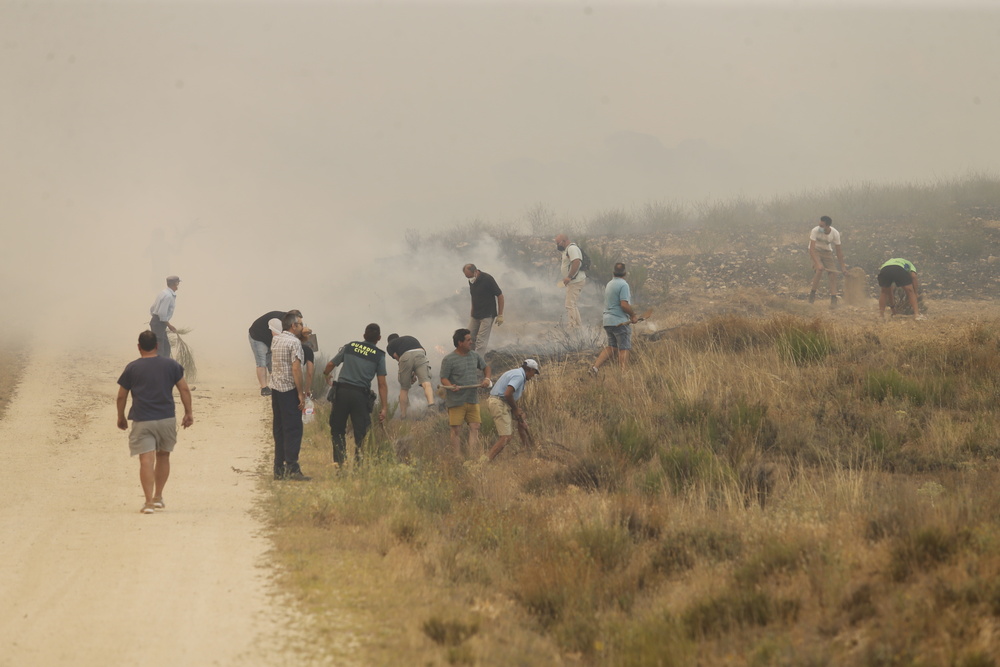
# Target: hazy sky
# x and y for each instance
(272, 147)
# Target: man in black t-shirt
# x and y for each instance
(487, 306)
(413, 364)
(260, 342)
(151, 380)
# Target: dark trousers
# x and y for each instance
(351, 401)
(162, 342)
(287, 432)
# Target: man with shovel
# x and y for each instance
(503, 405)
(460, 381)
(618, 315)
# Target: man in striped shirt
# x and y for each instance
(287, 398)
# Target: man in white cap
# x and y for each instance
(161, 313)
(503, 405)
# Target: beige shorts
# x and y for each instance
(501, 415)
(159, 435)
(828, 260)
(467, 413)
(413, 362)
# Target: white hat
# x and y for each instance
(531, 363)
(274, 324)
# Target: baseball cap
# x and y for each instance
(531, 363)
(274, 324)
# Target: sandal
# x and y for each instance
(147, 508)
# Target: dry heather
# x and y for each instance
(754, 490)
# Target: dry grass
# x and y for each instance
(772, 490)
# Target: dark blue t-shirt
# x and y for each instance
(151, 381)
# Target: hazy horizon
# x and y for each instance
(271, 153)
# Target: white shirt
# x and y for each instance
(571, 253)
(163, 307)
(824, 241)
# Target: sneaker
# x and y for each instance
(265, 391)
(920, 318)
(159, 504)
(147, 508)
(812, 296)
(593, 371)
(297, 477)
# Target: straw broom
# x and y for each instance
(182, 354)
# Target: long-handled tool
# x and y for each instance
(442, 389)
(645, 315)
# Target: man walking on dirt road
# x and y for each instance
(618, 316)
(161, 312)
(151, 380)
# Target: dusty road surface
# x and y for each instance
(85, 579)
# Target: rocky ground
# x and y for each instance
(961, 261)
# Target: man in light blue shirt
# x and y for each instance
(618, 316)
(161, 313)
(503, 405)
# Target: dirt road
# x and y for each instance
(85, 579)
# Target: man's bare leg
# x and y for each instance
(474, 440)
(262, 376)
(456, 440)
(428, 394)
(603, 356)
(161, 474)
(885, 299)
(404, 402)
(911, 294)
(147, 474)
(498, 447)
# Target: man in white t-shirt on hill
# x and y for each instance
(826, 255)
(573, 278)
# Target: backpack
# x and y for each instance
(584, 260)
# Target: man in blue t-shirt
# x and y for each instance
(503, 405)
(362, 363)
(151, 380)
(618, 315)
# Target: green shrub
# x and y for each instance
(687, 467)
(923, 549)
(736, 610)
(449, 632)
(684, 549)
(803, 347)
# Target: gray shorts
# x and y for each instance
(413, 362)
(261, 353)
(619, 337)
(158, 435)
